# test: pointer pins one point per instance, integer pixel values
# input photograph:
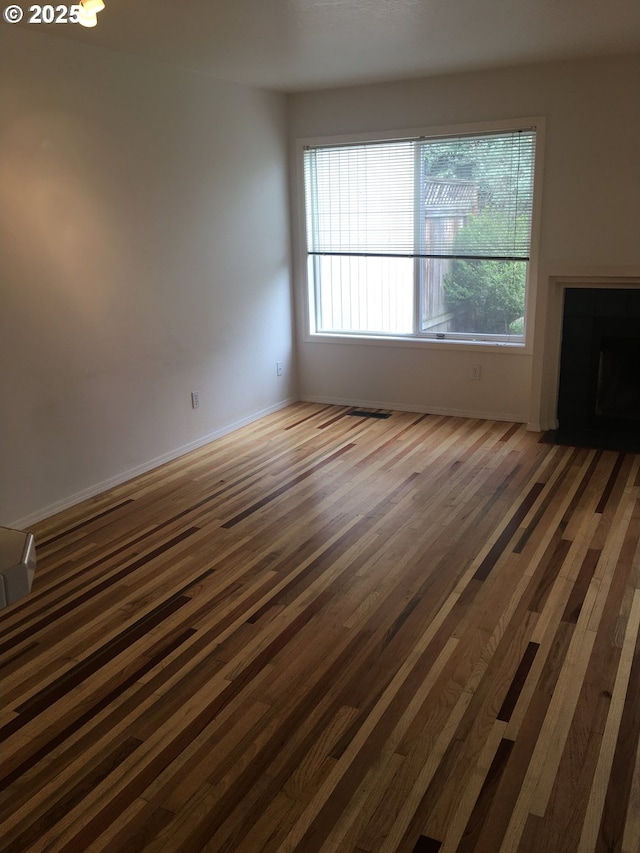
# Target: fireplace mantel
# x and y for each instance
(552, 282)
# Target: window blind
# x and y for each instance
(455, 197)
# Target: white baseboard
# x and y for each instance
(511, 417)
(131, 473)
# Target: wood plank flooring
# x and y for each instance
(334, 633)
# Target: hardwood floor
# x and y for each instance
(327, 632)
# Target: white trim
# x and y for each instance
(531, 292)
(422, 343)
(467, 128)
(511, 417)
(145, 467)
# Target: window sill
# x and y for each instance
(422, 343)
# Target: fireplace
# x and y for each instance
(599, 387)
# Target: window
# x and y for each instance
(423, 237)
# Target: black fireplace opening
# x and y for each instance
(618, 386)
(599, 390)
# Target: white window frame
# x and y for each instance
(304, 261)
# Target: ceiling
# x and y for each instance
(293, 45)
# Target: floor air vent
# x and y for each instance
(359, 413)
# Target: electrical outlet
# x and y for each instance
(476, 372)
(195, 399)
(278, 368)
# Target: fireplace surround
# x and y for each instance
(555, 284)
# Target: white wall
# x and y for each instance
(590, 216)
(145, 254)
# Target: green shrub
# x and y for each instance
(485, 296)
